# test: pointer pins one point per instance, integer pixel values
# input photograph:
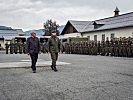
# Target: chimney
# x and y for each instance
(116, 12)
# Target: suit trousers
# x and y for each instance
(54, 57)
(34, 57)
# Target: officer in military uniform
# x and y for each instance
(54, 48)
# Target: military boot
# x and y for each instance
(55, 69)
(52, 67)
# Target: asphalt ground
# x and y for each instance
(79, 77)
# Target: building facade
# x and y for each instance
(111, 27)
(6, 34)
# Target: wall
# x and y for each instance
(72, 35)
(2, 43)
(121, 32)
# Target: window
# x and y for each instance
(88, 38)
(103, 37)
(95, 37)
(112, 36)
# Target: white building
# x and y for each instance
(116, 26)
(6, 35)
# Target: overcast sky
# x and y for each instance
(31, 14)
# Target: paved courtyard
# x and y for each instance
(80, 77)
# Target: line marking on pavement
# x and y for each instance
(27, 64)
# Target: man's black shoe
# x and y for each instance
(55, 69)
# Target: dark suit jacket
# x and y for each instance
(33, 45)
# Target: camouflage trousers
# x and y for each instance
(54, 57)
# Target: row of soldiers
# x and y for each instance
(19, 47)
(119, 47)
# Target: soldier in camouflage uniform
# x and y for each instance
(103, 48)
(120, 47)
(124, 47)
(116, 48)
(95, 48)
(89, 48)
(129, 42)
(78, 48)
(66, 48)
(16, 47)
(112, 47)
(107, 45)
(20, 45)
(7, 47)
(132, 47)
(86, 47)
(24, 47)
(54, 48)
(99, 48)
(11, 48)
(83, 47)
(92, 48)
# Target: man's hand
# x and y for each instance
(60, 52)
(40, 52)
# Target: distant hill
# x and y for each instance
(5, 28)
(61, 28)
(41, 32)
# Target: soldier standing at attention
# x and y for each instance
(6, 46)
(54, 48)
(33, 48)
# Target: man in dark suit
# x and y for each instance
(54, 48)
(33, 48)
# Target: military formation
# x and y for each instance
(20, 48)
(15, 48)
(118, 47)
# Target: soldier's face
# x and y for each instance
(53, 34)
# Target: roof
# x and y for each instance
(8, 33)
(124, 20)
(120, 21)
(79, 25)
(5, 28)
(116, 10)
(20, 31)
